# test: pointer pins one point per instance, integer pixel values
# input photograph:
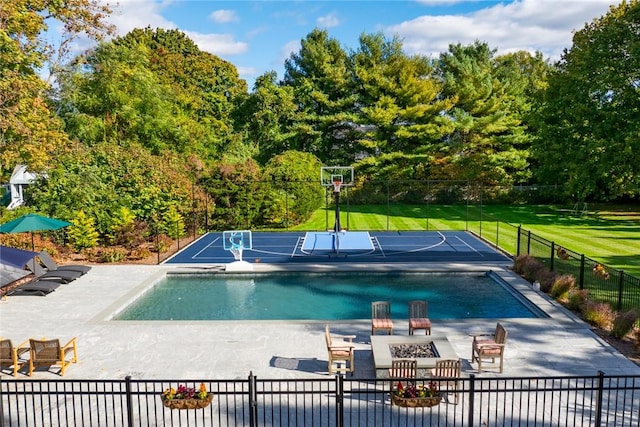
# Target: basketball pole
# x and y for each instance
(336, 196)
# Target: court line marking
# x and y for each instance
(195, 256)
(469, 246)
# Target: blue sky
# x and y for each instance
(257, 36)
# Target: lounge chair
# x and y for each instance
(340, 349)
(381, 317)
(491, 347)
(50, 352)
(12, 356)
(65, 276)
(51, 265)
(39, 287)
(419, 317)
(449, 370)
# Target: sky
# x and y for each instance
(258, 36)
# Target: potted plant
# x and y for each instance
(600, 271)
(411, 395)
(187, 397)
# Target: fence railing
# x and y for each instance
(604, 283)
(597, 400)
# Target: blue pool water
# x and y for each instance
(324, 296)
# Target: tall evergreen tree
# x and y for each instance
(590, 119)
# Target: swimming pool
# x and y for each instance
(325, 296)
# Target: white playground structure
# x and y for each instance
(236, 241)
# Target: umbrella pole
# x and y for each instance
(33, 245)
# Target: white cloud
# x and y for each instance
(328, 21)
(223, 16)
(522, 25)
(130, 14)
(247, 71)
(286, 50)
(217, 44)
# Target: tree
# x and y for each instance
(589, 118)
(295, 175)
(30, 133)
(266, 117)
(401, 106)
(321, 79)
(489, 141)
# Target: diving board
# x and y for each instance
(342, 242)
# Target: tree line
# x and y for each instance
(147, 122)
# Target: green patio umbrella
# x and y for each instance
(32, 222)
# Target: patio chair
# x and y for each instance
(12, 356)
(381, 317)
(39, 287)
(50, 352)
(340, 349)
(403, 369)
(51, 265)
(450, 371)
(419, 317)
(489, 348)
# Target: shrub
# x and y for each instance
(546, 279)
(82, 233)
(140, 253)
(528, 267)
(562, 285)
(577, 298)
(623, 323)
(113, 254)
(162, 243)
(636, 336)
(598, 313)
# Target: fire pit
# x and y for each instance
(426, 349)
(413, 351)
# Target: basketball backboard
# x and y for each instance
(330, 175)
(236, 239)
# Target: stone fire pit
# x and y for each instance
(426, 349)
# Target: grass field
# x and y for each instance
(609, 234)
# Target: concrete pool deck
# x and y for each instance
(559, 345)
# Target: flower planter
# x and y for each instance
(188, 403)
(416, 402)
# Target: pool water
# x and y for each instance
(324, 296)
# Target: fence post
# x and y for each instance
(518, 242)
(389, 205)
(253, 401)
(472, 389)
(599, 397)
(528, 242)
(339, 401)
(581, 279)
(552, 258)
(497, 233)
(620, 290)
(127, 387)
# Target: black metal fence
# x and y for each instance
(604, 283)
(598, 400)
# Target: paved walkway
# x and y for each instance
(560, 345)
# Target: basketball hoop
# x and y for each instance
(336, 186)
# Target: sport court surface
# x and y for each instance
(353, 247)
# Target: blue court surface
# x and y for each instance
(350, 246)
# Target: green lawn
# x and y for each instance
(609, 234)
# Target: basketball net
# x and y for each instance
(236, 250)
(336, 186)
